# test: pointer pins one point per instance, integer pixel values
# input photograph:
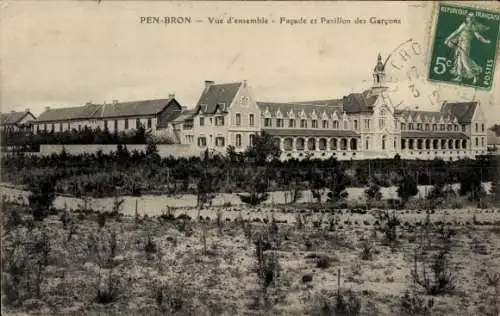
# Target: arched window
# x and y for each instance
(464, 143)
(300, 143)
(322, 144)
(343, 144)
(367, 143)
(384, 138)
(333, 144)
(311, 144)
(354, 144)
(288, 144)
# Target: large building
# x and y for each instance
(154, 115)
(356, 126)
(17, 121)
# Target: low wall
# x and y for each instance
(165, 150)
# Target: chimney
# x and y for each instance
(244, 83)
(12, 111)
(27, 110)
(208, 83)
(171, 95)
(47, 108)
(115, 101)
(88, 103)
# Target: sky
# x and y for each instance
(66, 53)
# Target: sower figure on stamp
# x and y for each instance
(460, 40)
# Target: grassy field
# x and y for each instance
(239, 261)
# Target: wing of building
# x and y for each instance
(155, 115)
(357, 126)
(17, 121)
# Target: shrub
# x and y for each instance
(367, 250)
(109, 292)
(150, 246)
(441, 280)
(323, 262)
(415, 305)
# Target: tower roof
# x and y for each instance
(379, 66)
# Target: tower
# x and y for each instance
(379, 84)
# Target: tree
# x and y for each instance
(407, 188)
(372, 193)
(338, 185)
(263, 149)
(258, 186)
(42, 195)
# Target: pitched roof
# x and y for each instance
(433, 135)
(217, 95)
(184, 115)
(310, 132)
(13, 117)
(94, 111)
(359, 102)
(297, 108)
(134, 108)
(464, 111)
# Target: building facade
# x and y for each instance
(357, 126)
(153, 115)
(17, 121)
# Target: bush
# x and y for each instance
(415, 305)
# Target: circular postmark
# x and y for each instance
(407, 86)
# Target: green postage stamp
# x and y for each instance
(464, 46)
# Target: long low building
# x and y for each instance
(154, 115)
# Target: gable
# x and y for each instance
(217, 95)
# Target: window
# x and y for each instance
(52, 128)
(149, 123)
(482, 141)
(238, 121)
(137, 123)
(477, 129)
(383, 142)
(325, 124)
(335, 124)
(202, 141)
(367, 143)
(219, 121)
(303, 123)
(314, 124)
(427, 126)
(410, 126)
(251, 120)
(442, 127)
(419, 126)
(482, 127)
(291, 123)
(251, 139)
(126, 123)
(367, 123)
(463, 128)
(267, 122)
(202, 121)
(45, 127)
(238, 140)
(116, 125)
(38, 128)
(450, 127)
(60, 127)
(219, 141)
(477, 141)
(279, 123)
(105, 124)
(355, 124)
(403, 126)
(381, 123)
(68, 127)
(456, 128)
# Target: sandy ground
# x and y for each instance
(223, 280)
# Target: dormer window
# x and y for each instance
(202, 121)
(279, 122)
(314, 124)
(267, 122)
(325, 124)
(291, 123)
